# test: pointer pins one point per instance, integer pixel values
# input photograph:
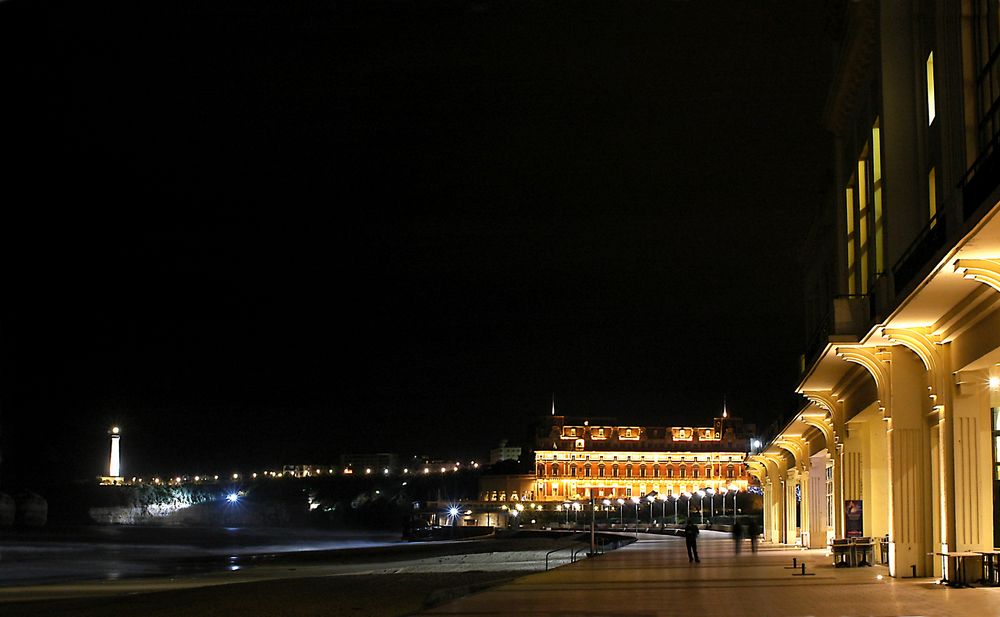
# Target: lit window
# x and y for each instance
(930, 88)
(851, 267)
(863, 221)
(877, 197)
(932, 195)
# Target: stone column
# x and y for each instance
(907, 439)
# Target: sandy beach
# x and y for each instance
(396, 579)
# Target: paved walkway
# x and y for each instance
(653, 577)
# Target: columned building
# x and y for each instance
(582, 459)
(901, 431)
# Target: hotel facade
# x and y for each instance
(580, 459)
(900, 436)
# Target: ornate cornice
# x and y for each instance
(854, 67)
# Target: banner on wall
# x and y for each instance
(854, 518)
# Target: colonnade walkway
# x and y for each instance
(653, 577)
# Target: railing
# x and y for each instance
(848, 315)
(930, 240)
(982, 178)
(555, 550)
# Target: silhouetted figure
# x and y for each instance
(738, 536)
(691, 539)
(753, 532)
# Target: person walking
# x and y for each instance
(753, 533)
(691, 539)
(738, 536)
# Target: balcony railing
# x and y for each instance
(981, 179)
(849, 316)
(930, 240)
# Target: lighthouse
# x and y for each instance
(115, 467)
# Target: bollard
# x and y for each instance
(913, 569)
(803, 571)
(794, 565)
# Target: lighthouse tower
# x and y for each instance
(115, 463)
(114, 469)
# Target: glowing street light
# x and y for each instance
(711, 502)
(607, 504)
(635, 500)
(233, 497)
(701, 505)
(621, 511)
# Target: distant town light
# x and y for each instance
(232, 497)
(236, 476)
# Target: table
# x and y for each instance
(959, 579)
(991, 567)
(841, 550)
(861, 551)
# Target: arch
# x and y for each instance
(793, 448)
(985, 271)
(921, 342)
(868, 357)
(823, 423)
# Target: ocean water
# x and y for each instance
(112, 552)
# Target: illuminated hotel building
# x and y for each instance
(580, 459)
(902, 382)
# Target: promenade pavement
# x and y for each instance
(653, 577)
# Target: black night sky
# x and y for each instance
(262, 233)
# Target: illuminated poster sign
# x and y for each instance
(854, 519)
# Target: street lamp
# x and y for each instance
(635, 500)
(735, 490)
(566, 507)
(621, 511)
(701, 505)
(651, 498)
(607, 515)
(663, 508)
(711, 503)
(688, 495)
(724, 491)
(676, 499)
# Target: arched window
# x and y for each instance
(614, 471)
(642, 471)
(684, 471)
(729, 471)
(670, 471)
(586, 470)
(694, 471)
(573, 470)
(628, 471)
(656, 471)
(555, 469)
(600, 471)
(541, 471)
